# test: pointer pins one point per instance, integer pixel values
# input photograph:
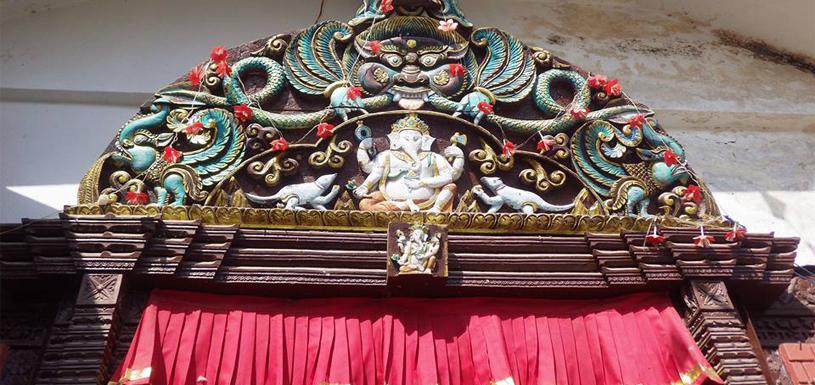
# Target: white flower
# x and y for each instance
(447, 25)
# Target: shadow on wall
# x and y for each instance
(18, 207)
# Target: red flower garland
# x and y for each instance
(579, 113)
(508, 149)
(242, 112)
(693, 193)
(702, 240)
(613, 88)
(223, 69)
(218, 54)
(735, 235)
(654, 239)
(375, 46)
(353, 93)
(137, 198)
(196, 75)
(171, 155)
(456, 69)
(194, 128)
(597, 82)
(546, 144)
(280, 145)
(386, 6)
(325, 130)
(636, 121)
(485, 107)
(670, 158)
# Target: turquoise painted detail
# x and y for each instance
(508, 70)
(628, 188)
(312, 63)
(140, 150)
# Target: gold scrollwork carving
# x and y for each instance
(490, 161)
(332, 156)
(671, 203)
(562, 146)
(546, 60)
(542, 180)
(274, 47)
(272, 170)
(176, 119)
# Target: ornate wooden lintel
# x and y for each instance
(338, 257)
(79, 349)
(718, 329)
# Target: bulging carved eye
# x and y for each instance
(393, 60)
(429, 60)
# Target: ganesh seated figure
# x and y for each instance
(408, 176)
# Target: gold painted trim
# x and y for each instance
(354, 220)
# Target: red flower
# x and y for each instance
(353, 93)
(579, 113)
(280, 144)
(222, 69)
(137, 198)
(218, 54)
(196, 74)
(597, 82)
(242, 112)
(735, 235)
(386, 6)
(375, 46)
(693, 193)
(171, 155)
(636, 121)
(194, 128)
(325, 130)
(613, 88)
(670, 158)
(702, 240)
(456, 69)
(508, 149)
(485, 107)
(546, 144)
(654, 239)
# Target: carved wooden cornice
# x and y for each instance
(338, 257)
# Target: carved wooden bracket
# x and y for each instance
(718, 330)
(82, 338)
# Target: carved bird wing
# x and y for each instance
(312, 62)
(508, 69)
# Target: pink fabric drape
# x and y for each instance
(193, 338)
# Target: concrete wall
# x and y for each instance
(71, 72)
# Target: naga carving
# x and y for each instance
(268, 122)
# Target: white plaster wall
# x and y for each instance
(72, 72)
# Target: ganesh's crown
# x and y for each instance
(411, 122)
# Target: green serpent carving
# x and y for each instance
(562, 122)
(234, 94)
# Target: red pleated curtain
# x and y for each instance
(193, 338)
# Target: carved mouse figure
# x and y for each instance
(297, 195)
(524, 201)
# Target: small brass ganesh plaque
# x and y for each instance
(415, 249)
